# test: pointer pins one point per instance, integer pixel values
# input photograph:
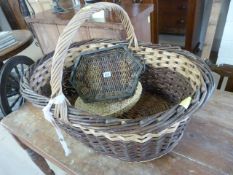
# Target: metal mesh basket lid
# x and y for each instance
(106, 74)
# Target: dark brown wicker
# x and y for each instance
(106, 74)
(157, 121)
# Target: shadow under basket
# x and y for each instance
(150, 129)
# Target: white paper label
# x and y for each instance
(107, 74)
(186, 102)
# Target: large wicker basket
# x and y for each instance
(175, 84)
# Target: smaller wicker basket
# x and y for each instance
(106, 74)
(110, 108)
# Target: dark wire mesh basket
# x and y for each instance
(106, 74)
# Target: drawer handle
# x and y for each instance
(182, 7)
(181, 21)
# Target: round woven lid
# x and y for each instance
(110, 108)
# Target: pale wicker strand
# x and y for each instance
(130, 137)
(151, 58)
(65, 40)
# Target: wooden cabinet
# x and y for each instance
(153, 15)
(181, 17)
(177, 17)
(47, 26)
(172, 16)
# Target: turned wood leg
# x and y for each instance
(37, 159)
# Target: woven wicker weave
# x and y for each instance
(110, 108)
(175, 84)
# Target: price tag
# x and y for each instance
(107, 74)
(186, 102)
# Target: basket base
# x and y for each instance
(130, 151)
(149, 104)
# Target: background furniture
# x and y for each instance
(47, 26)
(181, 17)
(12, 12)
(10, 74)
(225, 71)
(24, 39)
(153, 19)
(172, 16)
(207, 153)
(12, 70)
(211, 29)
(153, 15)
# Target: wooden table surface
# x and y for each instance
(24, 38)
(206, 147)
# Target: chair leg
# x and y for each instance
(220, 82)
(229, 85)
(37, 159)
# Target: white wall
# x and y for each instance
(40, 5)
(225, 55)
(4, 25)
(220, 26)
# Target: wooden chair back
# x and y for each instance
(224, 71)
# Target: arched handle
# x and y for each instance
(65, 40)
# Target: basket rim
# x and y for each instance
(155, 122)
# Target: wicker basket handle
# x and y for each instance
(65, 40)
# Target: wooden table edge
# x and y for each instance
(37, 150)
(69, 171)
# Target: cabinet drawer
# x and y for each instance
(172, 16)
(172, 24)
(174, 6)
